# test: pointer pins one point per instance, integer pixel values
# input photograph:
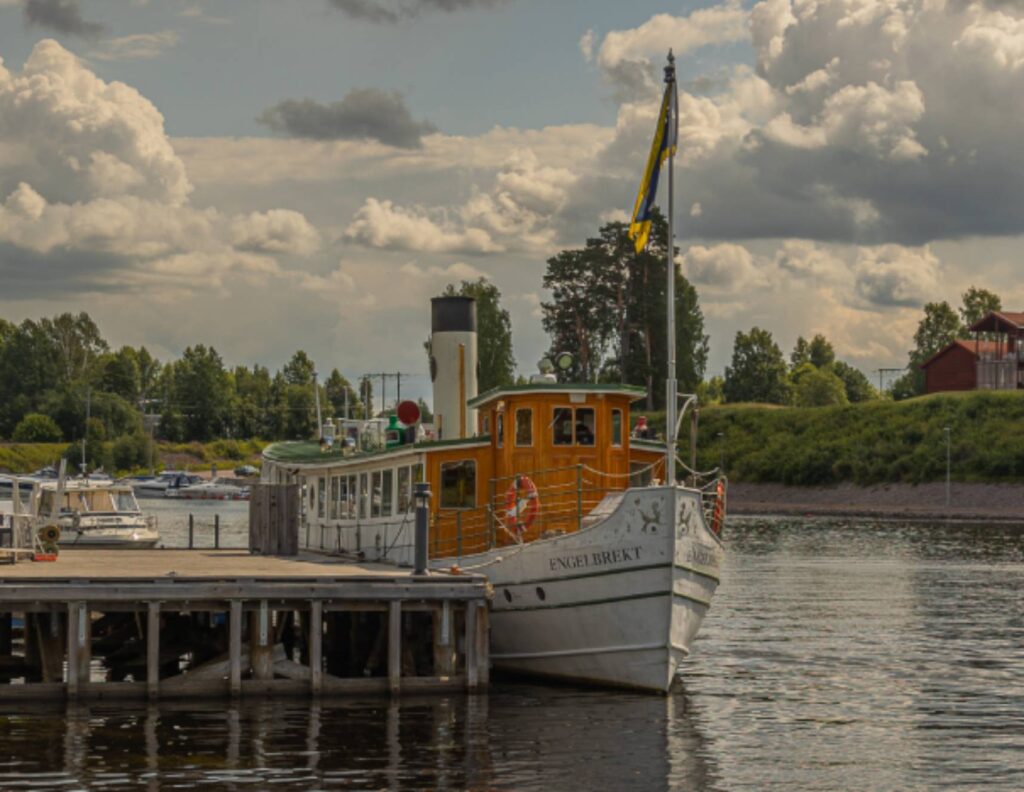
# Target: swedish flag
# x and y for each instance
(663, 146)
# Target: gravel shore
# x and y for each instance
(1001, 502)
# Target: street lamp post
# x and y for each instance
(945, 431)
(421, 494)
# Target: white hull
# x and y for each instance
(108, 538)
(617, 603)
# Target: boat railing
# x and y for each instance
(521, 508)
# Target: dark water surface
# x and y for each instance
(836, 656)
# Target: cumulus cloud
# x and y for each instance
(364, 113)
(87, 173)
(724, 268)
(276, 231)
(63, 16)
(518, 213)
(892, 275)
(850, 130)
(138, 46)
(625, 55)
(399, 10)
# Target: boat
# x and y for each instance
(163, 484)
(215, 489)
(602, 571)
(88, 512)
(603, 562)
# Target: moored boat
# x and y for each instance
(217, 489)
(88, 512)
(601, 573)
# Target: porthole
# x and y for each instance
(540, 593)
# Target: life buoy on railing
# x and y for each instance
(522, 504)
(718, 515)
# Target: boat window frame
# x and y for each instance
(404, 500)
(554, 423)
(616, 428)
(364, 495)
(499, 428)
(441, 495)
(529, 427)
(335, 496)
(593, 427)
(387, 492)
(352, 496)
(376, 485)
(321, 497)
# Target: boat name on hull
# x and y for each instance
(595, 559)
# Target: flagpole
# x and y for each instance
(671, 398)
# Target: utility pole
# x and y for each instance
(88, 405)
(945, 431)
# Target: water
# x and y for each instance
(172, 521)
(836, 656)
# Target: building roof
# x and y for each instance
(632, 391)
(999, 322)
(974, 347)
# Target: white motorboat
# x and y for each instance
(216, 489)
(163, 484)
(89, 513)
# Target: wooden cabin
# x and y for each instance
(992, 360)
(571, 444)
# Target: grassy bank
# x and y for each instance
(869, 443)
(225, 454)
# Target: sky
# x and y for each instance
(265, 176)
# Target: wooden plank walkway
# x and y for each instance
(161, 623)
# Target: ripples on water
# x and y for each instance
(836, 656)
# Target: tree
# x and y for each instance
(710, 392)
(820, 388)
(340, 395)
(37, 428)
(497, 363)
(609, 310)
(76, 342)
(818, 352)
(858, 388)
(121, 374)
(299, 370)
(977, 303)
(758, 370)
(202, 392)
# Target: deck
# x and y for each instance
(172, 623)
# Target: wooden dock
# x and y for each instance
(182, 623)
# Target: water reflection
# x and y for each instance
(519, 737)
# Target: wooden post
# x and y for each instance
(444, 651)
(472, 675)
(316, 634)
(49, 644)
(260, 648)
(72, 649)
(483, 654)
(153, 650)
(79, 647)
(235, 647)
(395, 646)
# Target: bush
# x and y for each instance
(131, 451)
(37, 428)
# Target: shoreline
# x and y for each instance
(969, 502)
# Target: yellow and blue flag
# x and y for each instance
(663, 146)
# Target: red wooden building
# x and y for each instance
(992, 360)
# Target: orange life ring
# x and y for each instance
(718, 515)
(522, 504)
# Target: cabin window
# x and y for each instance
(335, 496)
(562, 426)
(126, 502)
(376, 495)
(386, 493)
(404, 489)
(458, 484)
(524, 427)
(485, 425)
(350, 495)
(616, 427)
(364, 494)
(499, 425)
(321, 497)
(585, 424)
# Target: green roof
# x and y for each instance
(307, 452)
(559, 387)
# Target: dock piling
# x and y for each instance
(235, 648)
(316, 635)
(191, 531)
(153, 650)
(395, 646)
